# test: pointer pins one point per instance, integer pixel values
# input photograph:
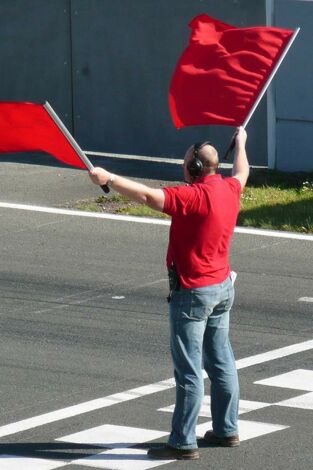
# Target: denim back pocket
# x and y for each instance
(201, 305)
(225, 304)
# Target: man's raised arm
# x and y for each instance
(241, 165)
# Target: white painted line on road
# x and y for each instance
(245, 406)
(121, 459)
(299, 379)
(119, 439)
(112, 436)
(85, 407)
(273, 233)
(304, 402)
(305, 299)
(147, 220)
(14, 462)
(275, 354)
(138, 392)
(247, 429)
(93, 215)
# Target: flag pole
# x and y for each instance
(265, 87)
(270, 78)
(71, 140)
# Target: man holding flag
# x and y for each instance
(219, 79)
(204, 215)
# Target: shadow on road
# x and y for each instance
(50, 450)
(125, 167)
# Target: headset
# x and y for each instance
(195, 166)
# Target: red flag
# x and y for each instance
(26, 127)
(222, 72)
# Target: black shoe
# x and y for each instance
(230, 441)
(167, 452)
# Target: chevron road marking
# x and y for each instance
(245, 406)
(14, 462)
(110, 436)
(138, 392)
(299, 379)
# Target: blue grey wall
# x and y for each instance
(294, 90)
(124, 53)
(105, 66)
(35, 53)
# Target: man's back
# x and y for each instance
(203, 220)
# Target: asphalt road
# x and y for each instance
(83, 316)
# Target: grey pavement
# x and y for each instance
(83, 315)
(43, 180)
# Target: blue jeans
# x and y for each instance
(199, 325)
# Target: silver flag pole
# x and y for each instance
(265, 87)
(71, 140)
(271, 76)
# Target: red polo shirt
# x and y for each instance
(204, 216)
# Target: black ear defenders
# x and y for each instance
(195, 166)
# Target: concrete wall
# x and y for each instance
(294, 89)
(35, 53)
(105, 66)
(124, 53)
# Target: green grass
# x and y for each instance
(142, 211)
(279, 201)
(272, 200)
(88, 206)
